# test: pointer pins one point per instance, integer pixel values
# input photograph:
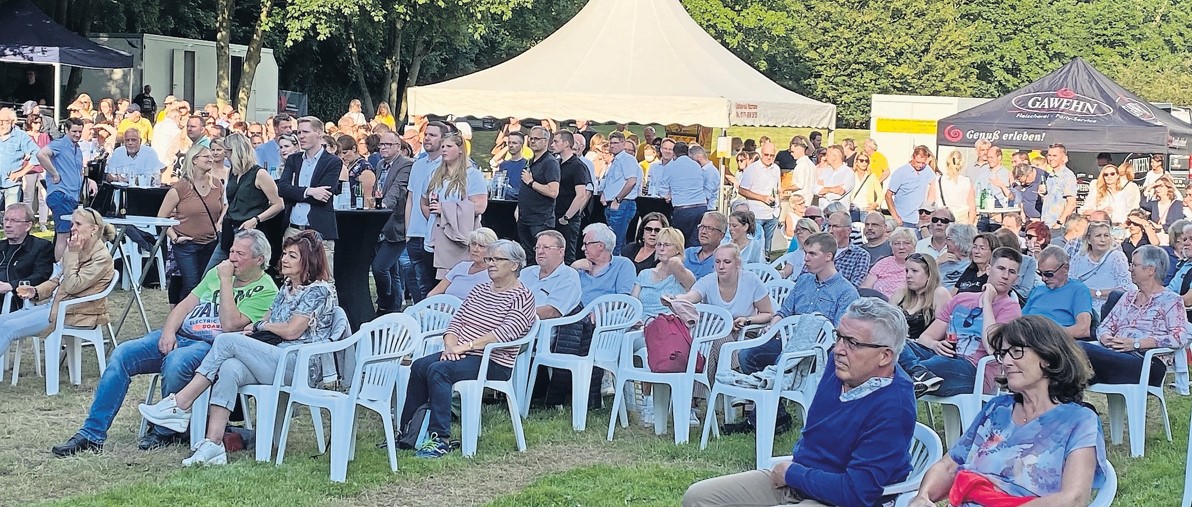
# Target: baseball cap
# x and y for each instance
(133, 108)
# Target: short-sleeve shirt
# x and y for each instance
(1060, 186)
(68, 160)
(750, 289)
(1028, 459)
(617, 277)
(623, 167)
(964, 318)
(202, 323)
(889, 276)
(692, 262)
(317, 301)
(533, 207)
(462, 282)
(841, 176)
(877, 253)
(572, 173)
(419, 178)
(761, 179)
(144, 163)
(651, 291)
(14, 150)
(512, 170)
(910, 190)
(559, 290)
(269, 155)
(1061, 305)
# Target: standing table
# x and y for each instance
(354, 251)
(121, 224)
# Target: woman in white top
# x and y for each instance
(1101, 265)
(956, 190)
(466, 275)
(1108, 195)
(792, 263)
(867, 193)
(1128, 198)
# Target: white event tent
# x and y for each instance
(626, 61)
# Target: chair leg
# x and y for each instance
(341, 432)
(1117, 413)
(316, 420)
(581, 376)
(710, 418)
(198, 418)
(764, 411)
(469, 397)
(16, 360)
(681, 412)
(525, 408)
(391, 447)
(36, 355)
(1158, 393)
(953, 427)
(101, 353)
(266, 425)
(1136, 419)
(662, 399)
(148, 401)
(515, 416)
(53, 345)
(75, 353)
(285, 433)
(618, 403)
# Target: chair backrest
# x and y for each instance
(926, 449)
(779, 289)
(1108, 490)
(715, 323)
(382, 345)
(433, 315)
(763, 271)
(612, 314)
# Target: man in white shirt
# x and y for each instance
(802, 180)
(936, 244)
(982, 163)
(759, 186)
(134, 159)
(167, 135)
(837, 180)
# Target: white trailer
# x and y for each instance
(900, 122)
(184, 68)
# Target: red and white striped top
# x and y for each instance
(508, 315)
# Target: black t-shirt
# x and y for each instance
(533, 207)
(630, 251)
(969, 280)
(35, 92)
(572, 173)
(148, 105)
(785, 161)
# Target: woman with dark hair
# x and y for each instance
(643, 251)
(1042, 422)
(977, 273)
(1141, 231)
(303, 312)
(358, 172)
(741, 229)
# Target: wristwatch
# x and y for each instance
(1099, 295)
(1137, 344)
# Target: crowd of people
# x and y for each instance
(919, 282)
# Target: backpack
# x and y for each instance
(668, 345)
(415, 431)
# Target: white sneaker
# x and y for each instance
(606, 385)
(695, 420)
(166, 414)
(208, 453)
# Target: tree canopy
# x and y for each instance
(839, 51)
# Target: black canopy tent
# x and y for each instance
(1075, 105)
(28, 36)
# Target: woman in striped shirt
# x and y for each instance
(498, 311)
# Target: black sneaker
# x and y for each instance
(76, 444)
(152, 440)
(741, 428)
(925, 381)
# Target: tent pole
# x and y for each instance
(57, 91)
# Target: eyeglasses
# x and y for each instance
(537, 138)
(813, 217)
(703, 227)
(853, 344)
(1050, 273)
(652, 229)
(383, 145)
(924, 212)
(972, 316)
(16, 221)
(590, 243)
(1015, 352)
(835, 226)
(493, 260)
(666, 244)
(541, 248)
(940, 220)
(862, 160)
(1108, 174)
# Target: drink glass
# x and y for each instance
(23, 287)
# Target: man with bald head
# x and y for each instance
(17, 150)
(132, 159)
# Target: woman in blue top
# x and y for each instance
(668, 278)
(1039, 442)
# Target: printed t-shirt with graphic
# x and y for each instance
(202, 323)
(965, 321)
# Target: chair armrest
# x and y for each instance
(1144, 376)
(776, 460)
(727, 349)
(528, 339)
(741, 333)
(548, 326)
(788, 358)
(979, 378)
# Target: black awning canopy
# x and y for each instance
(27, 35)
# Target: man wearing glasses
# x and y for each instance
(943, 360)
(23, 257)
(854, 441)
(700, 259)
(1064, 300)
(540, 187)
(17, 150)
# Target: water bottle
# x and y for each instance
(984, 202)
(502, 181)
(345, 193)
(358, 197)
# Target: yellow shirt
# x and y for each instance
(387, 120)
(143, 126)
(878, 164)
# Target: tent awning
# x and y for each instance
(27, 35)
(1076, 106)
(668, 70)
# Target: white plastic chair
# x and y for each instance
(766, 400)
(1108, 490)
(75, 338)
(1128, 402)
(960, 410)
(926, 449)
(433, 314)
(613, 315)
(381, 345)
(671, 391)
(779, 290)
(471, 391)
(763, 271)
(14, 350)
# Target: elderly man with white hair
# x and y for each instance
(600, 272)
(133, 158)
(858, 428)
(17, 150)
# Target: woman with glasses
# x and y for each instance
(1037, 236)
(196, 200)
(669, 277)
(888, 275)
(741, 233)
(956, 191)
(1164, 209)
(792, 262)
(1179, 276)
(1140, 231)
(1101, 265)
(922, 295)
(466, 275)
(1104, 194)
(973, 278)
(643, 252)
(303, 312)
(1042, 421)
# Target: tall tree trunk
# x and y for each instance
(223, 52)
(82, 23)
(393, 65)
(61, 9)
(419, 53)
(357, 69)
(252, 58)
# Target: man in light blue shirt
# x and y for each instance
(700, 259)
(600, 272)
(133, 159)
(712, 177)
(1065, 301)
(555, 286)
(683, 185)
(666, 153)
(622, 183)
(62, 160)
(269, 153)
(907, 188)
(17, 150)
(417, 223)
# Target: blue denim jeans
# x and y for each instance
(618, 220)
(768, 225)
(1113, 367)
(958, 373)
(424, 268)
(139, 357)
(430, 382)
(192, 261)
(388, 279)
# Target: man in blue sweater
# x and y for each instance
(858, 429)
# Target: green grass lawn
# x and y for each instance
(560, 468)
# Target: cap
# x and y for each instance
(928, 206)
(133, 108)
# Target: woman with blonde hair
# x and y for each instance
(598, 154)
(87, 108)
(1101, 265)
(922, 295)
(385, 116)
(956, 191)
(456, 196)
(251, 193)
(196, 201)
(466, 275)
(219, 159)
(1165, 209)
(1108, 195)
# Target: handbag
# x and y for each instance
(267, 337)
(668, 345)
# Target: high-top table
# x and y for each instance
(354, 251)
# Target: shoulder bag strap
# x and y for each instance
(205, 208)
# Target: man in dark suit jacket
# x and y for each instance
(309, 180)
